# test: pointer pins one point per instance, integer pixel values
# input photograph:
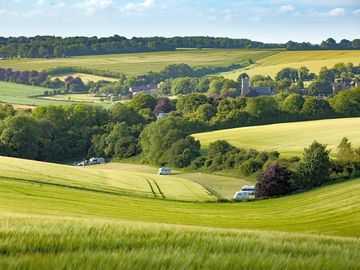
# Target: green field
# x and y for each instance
(140, 63)
(313, 60)
(112, 178)
(81, 218)
(20, 94)
(288, 138)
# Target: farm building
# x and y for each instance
(147, 89)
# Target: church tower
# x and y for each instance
(245, 86)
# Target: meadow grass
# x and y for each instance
(110, 178)
(140, 63)
(332, 210)
(61, 217)
(40, 242)
(21, 94)
(287, 138)
(314, 60)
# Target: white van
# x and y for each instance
(246, 193)
(164, 171)
(250, 189)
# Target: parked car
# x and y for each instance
(164, 171)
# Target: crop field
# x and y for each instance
(86, 219)
(87, 77)
(140, 63)
(288, 138)
(313, 60)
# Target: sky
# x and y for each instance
(267, 21)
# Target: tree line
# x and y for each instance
(53, 46)
(55, 133)
(328, 44)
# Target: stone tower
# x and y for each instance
(245, 86)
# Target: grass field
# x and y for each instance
(112, 178)
(140, 63)
(80, 218)
(87, 77)
(314, 60)
(20, 94)
(288, 138)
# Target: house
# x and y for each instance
(246, 90)
(147, 89)
(340, 85)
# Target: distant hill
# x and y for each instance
(288, 138)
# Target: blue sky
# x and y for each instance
(267, 21)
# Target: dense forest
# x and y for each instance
(52, 46)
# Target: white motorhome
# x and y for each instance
(164, 171)
(246, 193)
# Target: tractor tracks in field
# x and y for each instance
(155, 189)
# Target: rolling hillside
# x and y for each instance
(140, 63)
(111, 178)
(331, 210)
(313, 60)
(288, 138)
(85, 219)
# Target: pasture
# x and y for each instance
(61, 217)
(287, 138)
(22, 95)
(140, 63)
(313, 60)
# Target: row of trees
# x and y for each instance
(66, 132)
(292, 80)
(329, 44)
(51, 46)
(228, 112)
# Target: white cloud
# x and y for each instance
(356, 12)
(40, 2)
(336, 12)
(31, 13)
(212, 18)
(91, 6)
(2, 11)
(139, 7)
(227, 18)
(287, 8)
